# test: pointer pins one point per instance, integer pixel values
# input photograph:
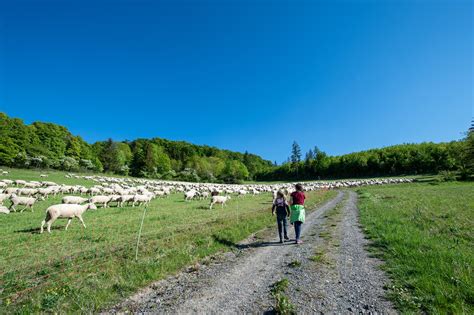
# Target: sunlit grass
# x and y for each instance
(425, 233)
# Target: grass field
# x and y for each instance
(53, 175)
(424, 232)
(88, 269)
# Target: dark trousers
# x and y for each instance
(282, 226)
(298, 225)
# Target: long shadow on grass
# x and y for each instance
(38, 230)
(229, 243)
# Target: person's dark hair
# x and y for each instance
(299, 187)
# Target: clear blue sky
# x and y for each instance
(242, 75)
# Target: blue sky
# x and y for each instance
(242, 75)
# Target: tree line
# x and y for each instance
(404, 159)
(47, 145)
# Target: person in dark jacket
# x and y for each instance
(282, 209)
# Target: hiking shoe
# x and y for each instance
(299, 242)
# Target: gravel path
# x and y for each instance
(240, 281)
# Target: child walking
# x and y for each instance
(282, 211)
(297, 215)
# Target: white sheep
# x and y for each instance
(115, 198)
(28, 202)
(190, 194)
(101, 199)
(4, 210)
(141, 200)
(68, 211)
(19, 182)
(125, 198)
(219, 199)
(73, 200)
(26, 192)
(4, 197)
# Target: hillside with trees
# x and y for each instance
(456, 157)
(47, 145)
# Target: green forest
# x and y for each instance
(47, 145)
(452, 159)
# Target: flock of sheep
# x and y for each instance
(120, 192)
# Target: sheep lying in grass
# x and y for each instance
(219, 199)
(74, 200)
(68, 211)
(28, 202)
(4, 210)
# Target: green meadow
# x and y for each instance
(425, 235)
(89, 269)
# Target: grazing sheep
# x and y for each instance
(190, 194)
(125, 198)
(26, 192)
(11, 190)
(104, 200)
(65, 211)
(73, 200)
(4, 172)
(219, 199)
(19, 182)
(204, 195)
(141, 200)
(43, 175)
(159, 193)
(242, 192)
(94, 191)
(4, 210)
(28, 202)
(4, 197)
(32, 185)
(115, 198)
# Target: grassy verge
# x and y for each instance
(425, 235)
(89, 269)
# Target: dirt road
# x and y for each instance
(330, 273)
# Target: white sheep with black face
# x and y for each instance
(68, 211)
